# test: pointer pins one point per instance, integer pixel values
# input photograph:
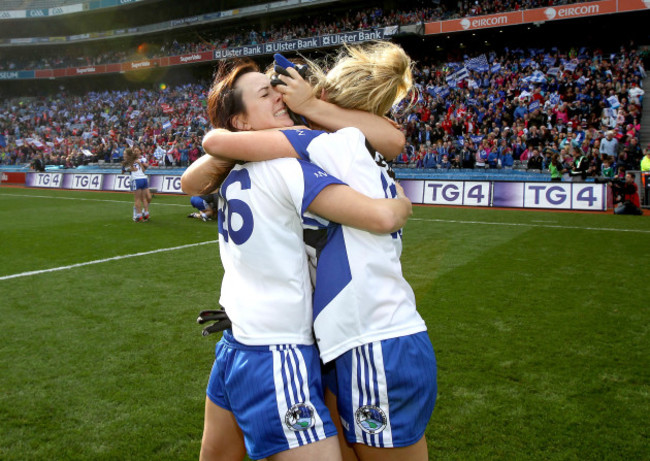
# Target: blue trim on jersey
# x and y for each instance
(316, 179)
(300, 140)
(333, 271)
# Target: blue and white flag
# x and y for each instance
(129, 142)
(478, 64)
(613, 102)
(554, 98)
(536, 77)
(472, 102)
(461, 140)
(444, 93)
(554, 71)
(525, 94)
(167, 125)
(462, 74)
(582, 80)
(549, 60)
(476, 138)
(495, 68)
(571, 66)
(534, 105)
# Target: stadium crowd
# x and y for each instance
(520, 108)
(511, 110)
(329, 23)
(68, 131)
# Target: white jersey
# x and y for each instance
(361, 295)
(137, 172)
(266, 289)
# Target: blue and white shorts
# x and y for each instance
(386, 390)
(142, 183)
(275, 393)
(198, 203)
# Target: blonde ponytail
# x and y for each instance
(371, 77)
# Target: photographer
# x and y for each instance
(38, 164)
(627, 197)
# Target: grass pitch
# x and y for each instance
(539, 321)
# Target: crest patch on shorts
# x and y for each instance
(300, 417)
(371, 419)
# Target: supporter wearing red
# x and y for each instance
(628, 198)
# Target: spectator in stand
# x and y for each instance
(445, 164)
(494, 159)
(507, 161)
(609, 145)
(430, 160)
(645, 163)
(521, 110)
(580, 165)
(556, 168)
(607, 167)
(535, 162)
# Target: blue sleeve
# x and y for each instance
(316, 179)
(300, 140)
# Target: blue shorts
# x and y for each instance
(275, 393)
(198, 203)
(142, 183)
(386, 390)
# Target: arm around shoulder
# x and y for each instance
(342, 204)
(380, 132)
(205, 175)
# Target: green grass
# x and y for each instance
(539, 321)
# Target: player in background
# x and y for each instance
(383, 377)
(206, 206)
(144, 163)
(139, 183)
(265, 390)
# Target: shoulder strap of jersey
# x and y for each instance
(300, 140)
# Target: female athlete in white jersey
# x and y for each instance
(365, 318)
(139, 184)
(145, 164)
(266, 377)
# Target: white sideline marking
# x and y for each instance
(98, 261)
(91, 199)
(607, 229)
